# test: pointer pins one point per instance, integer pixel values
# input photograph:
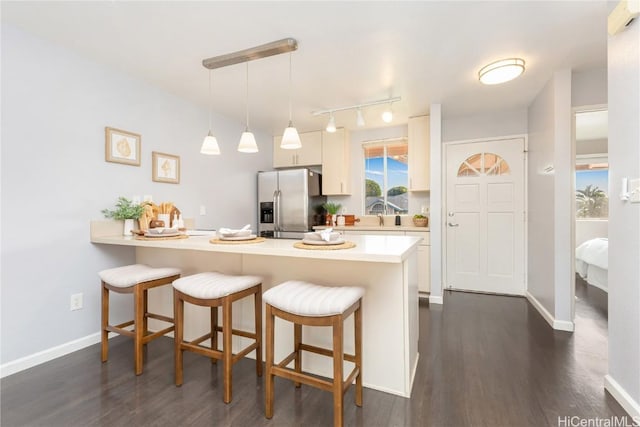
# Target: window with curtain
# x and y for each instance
(386, 177)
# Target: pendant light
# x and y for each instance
(210, 143)
(290, 138)
(247, 142)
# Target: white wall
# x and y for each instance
(592, 146)
(587, 229)
(503, 123)
(550, 198)
(55, 106)
(623, 380)
(589, 87)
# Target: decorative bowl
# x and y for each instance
(420, 222)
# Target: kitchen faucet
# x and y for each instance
(380, 220)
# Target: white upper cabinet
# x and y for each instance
(309, 155)
(336, 169)
(419, 153)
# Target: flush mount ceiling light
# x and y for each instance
(501, 71)
(290, 138)
(387, 115)
(247, 142)
(210, 143)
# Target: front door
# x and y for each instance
(485, 216)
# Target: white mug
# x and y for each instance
(341, 220)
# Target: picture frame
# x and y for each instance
(166, 168)
(122, 146)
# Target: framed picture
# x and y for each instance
(122, 146)
(166, 168)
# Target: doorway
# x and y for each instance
(485, 216)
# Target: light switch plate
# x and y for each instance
(634, 190)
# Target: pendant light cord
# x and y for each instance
(247, 128)
(290, 91)
(210, 101)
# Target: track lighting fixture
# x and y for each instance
(359, 118)
(387, 115)
(331, 126)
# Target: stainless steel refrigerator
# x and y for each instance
(289, 202)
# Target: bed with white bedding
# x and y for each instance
(592, 262)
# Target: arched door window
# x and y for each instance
(483, 164)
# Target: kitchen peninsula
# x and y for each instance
(386, 266)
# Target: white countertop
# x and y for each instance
(388, 249)
(375, 228)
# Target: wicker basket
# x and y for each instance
(421, 222)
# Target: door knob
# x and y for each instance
(453, 225)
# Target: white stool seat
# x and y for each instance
(130, 275)
(308, 299)
(214, 285)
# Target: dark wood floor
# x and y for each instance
(485, 361)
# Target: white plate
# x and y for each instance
(323, 242)
(249, 237)
(235, 233)
(165, 234)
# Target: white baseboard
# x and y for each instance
(35, 359)
(433, 299)
(560, 325)
(631, 406)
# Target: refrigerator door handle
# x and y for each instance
(275, 210)
(279, 219)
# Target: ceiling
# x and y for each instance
(349, 52)
(592, 125)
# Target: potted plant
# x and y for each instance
(420, 220)
(127, 211)
(332, 209)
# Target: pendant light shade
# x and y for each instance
(331, 126)
(290, 137)
(247, 142)
(210, 143)
(501, 71)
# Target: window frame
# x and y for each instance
(384, 143)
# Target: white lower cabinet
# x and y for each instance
(424, 253)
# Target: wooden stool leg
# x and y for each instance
(227, 350)
(358, 352)
(338, 356)
(138, 325)
(214, 331)
(145, 311)
(178, 316)
(257, 302)
(268, 401)
(297, 340)
(105, 323)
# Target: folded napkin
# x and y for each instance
(325, 234)
(228, 232)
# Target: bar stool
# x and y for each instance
(215, 290)
(308, 304)
(134, 279)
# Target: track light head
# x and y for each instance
(331, 126)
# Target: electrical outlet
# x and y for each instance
(203, 210)
(76, 302)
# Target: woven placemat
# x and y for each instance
(217, 241)
(182, 236)
(345, 245)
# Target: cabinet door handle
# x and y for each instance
(341, 187)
